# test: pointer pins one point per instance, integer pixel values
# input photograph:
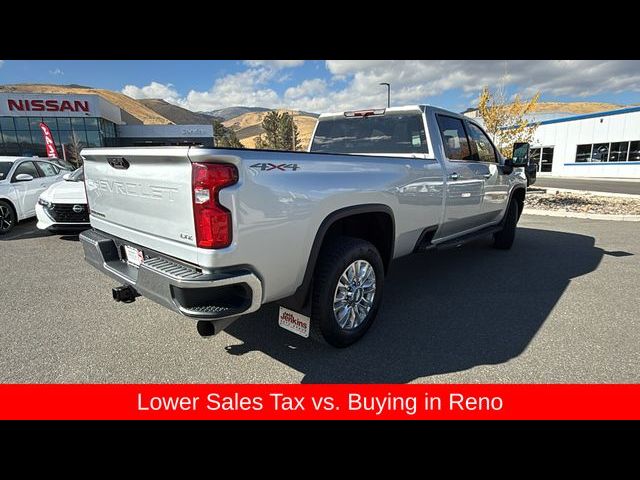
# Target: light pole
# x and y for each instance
(388, 93)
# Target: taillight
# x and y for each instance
(212, 220)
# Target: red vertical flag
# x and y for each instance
(48, 141)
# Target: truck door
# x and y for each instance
(464, 180)
(496, 185)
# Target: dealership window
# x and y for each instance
(34, 123)
(51, 122)
(6, 123)
(546, 159)
(600, 152)
(9, 143)
(93, 139)
(22, 123)
(634, 151)
(534, 157)
(64, 124)
(618, 152)
(91, 123)
(609, 152)
(583, 153)
(77, 124)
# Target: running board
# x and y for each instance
(458, 241)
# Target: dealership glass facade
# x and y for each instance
(21, 136)
(609, 152)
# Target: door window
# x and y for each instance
(486, 152)
(454, 138)
(26, 167)
(48, 169)
(547, 159)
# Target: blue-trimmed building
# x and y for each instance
(601, 144)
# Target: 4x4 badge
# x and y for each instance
(283, 167)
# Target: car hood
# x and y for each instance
(66, 192)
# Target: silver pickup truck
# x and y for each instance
(213, 234)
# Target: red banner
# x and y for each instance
(320, 402)
(48, 141)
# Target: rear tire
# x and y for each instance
(8, 217)
(503, 240)
(348, 285)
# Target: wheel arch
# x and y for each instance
(379, 228)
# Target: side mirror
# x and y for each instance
(23, 177)
(520, 155)
(66, 176)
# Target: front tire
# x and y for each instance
(348, 285)
(7, 217)
(503, 240)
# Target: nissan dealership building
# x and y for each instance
(93, 121)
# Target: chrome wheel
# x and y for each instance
(6, 218)
(354, 294)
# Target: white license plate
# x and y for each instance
(294, 322)
(134, 256)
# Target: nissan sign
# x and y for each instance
(30, 105)
(47, 105)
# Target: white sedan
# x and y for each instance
(63, 206)
(22, 180)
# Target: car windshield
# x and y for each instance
(393, 133)
(4, 169)
(77, 176)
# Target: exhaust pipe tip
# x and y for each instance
(125, 294)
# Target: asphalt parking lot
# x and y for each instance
(561, 306)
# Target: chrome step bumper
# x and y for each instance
(181, 288)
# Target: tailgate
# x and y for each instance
(142, 195)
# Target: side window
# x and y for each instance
(454, 138)
(26, 167)
(486, 152)
(48, 169)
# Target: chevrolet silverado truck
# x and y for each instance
(213, 234)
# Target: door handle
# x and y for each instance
(454, 176)
(487, 175)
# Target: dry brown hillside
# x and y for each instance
(248, 126)
(575, 107)
(128, 104)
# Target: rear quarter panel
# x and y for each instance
(277, 210)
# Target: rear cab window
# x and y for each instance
(389, 133)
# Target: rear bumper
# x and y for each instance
(177, 286)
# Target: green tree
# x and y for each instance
(288, 132)
(225, 137)
(280, 132)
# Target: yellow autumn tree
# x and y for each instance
(505, 121)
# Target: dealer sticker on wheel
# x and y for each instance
(294, 322)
